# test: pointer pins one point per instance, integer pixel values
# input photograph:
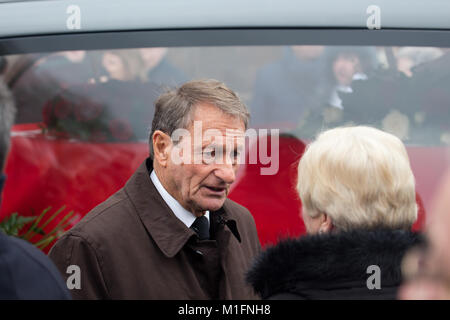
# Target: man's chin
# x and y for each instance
(212, 204)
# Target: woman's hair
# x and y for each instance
(360, 177)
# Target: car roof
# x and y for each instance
(20, 18)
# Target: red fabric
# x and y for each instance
(43, 172)
(273, 199)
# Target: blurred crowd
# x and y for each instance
(398, 89)
(116, 80)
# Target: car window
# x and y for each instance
(83, 117)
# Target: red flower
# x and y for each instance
(86, 111)
(120, 129)
(62, 108)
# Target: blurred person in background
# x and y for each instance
(3, 63)
(46, 77)
(138, 77)
(25, 271)
(121, 65)
(347, 64)
(410, 57)
(430, 81)
(285, 89)
(358, 198)
(426, 268)
(343, 65)
(124, 89)
(158, 69)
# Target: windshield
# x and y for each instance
(83, 117)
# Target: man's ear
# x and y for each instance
(162, 145)
(326, 225)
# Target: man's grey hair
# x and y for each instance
(173, 109)
(7, 114)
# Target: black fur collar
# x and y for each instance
(330, 261)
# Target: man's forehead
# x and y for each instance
(224, 132)
(217, 136)
(212, 117)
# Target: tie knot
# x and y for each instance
(201, 227)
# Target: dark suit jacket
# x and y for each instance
(133, 247)
(26, 273)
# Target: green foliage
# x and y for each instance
(15, 225)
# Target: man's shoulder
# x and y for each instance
(106, 219)
(30, 273)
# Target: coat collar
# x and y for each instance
(331, 261)
(169, 233)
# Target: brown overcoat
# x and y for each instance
(133, 247)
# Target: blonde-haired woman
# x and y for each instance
(358, 195)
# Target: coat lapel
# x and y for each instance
(169, 233)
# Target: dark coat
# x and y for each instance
(27, 273)
(133, 247)
(332, 266)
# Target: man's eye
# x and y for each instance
(209, 153)
(235, 154)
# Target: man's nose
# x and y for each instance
(226, 173)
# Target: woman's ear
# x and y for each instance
(326, 225)
(162, 145)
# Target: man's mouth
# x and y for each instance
(216, 190)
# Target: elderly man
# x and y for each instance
(171, 232)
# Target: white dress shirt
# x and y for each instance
(181, 213)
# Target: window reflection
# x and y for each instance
(83, 116)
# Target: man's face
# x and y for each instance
(205, 184)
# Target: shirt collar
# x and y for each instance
(168, 232)
(180, 212)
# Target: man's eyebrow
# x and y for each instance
(212, 145)
(208, 144)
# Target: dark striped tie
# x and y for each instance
(201, 227)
